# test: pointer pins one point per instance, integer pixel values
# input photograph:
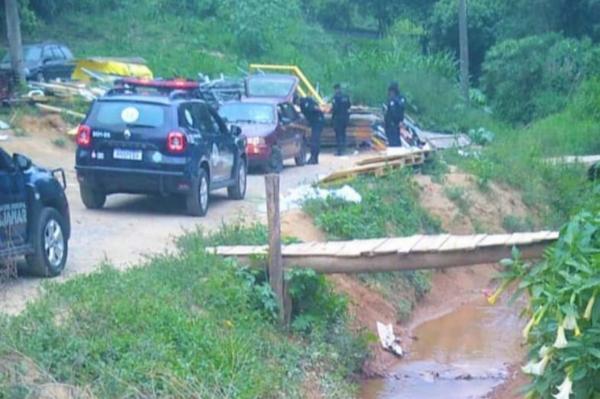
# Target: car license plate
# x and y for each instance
(127, 155)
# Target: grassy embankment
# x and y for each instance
(389, 208)
(189, 325)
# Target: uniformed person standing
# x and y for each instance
(313, 114)
(394, 115)
(340, 116)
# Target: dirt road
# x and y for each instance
(131, 227)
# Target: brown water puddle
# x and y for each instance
(464, 354)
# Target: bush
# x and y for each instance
(533, 77)
(564, 310)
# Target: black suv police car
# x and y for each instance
(157, 137)
(34, 215)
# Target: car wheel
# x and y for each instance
(50, 245)
(238, 190)
(91, 197)
(275, 164)
(197, 199)
(300, 159)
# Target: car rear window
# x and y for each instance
(262, 87)
(118, 114)
(248, 113)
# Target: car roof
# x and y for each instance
(159, 99)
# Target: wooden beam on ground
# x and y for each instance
(58, 110)
(402, 253)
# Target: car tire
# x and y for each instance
(50, 245)
(198, 197)
(300, 159)
(238, 190)
(91, 197)
(275, 163)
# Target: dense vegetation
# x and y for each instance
(191, 325)
(564, 311)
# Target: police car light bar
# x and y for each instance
(174, 84)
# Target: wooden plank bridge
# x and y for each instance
(401, 253)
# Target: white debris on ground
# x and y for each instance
(388, 339)
(295, 197)
(4, 125)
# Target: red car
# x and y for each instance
(274, 130)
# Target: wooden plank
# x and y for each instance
(401, 245)
(465, 243)
(360, 247)
(430, 243)
(494, 240)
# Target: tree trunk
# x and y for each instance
(13, 33)
(463, 38)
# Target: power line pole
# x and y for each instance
(463, 39)
(13, 34)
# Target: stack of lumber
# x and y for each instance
(401, 253)
(390, 159)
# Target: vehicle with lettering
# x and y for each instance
(158, 137)
(34, 215)
(274, 131)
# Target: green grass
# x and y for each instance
(518, 158)
(390, 207)
(191, 325)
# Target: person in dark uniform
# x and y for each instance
(340, 116)
(394, 115)
(313, 114)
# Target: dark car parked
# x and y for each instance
(273, 129)
(139, 141)
(45, 61)
(34, 215)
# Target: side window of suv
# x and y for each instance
(187, 117)
(218, 122)
(207, 123)
(66, 52)
(57, 54)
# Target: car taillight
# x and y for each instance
(176, 142)
(84, 136)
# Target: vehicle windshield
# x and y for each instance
(30, 53)
(248, 113)
(120, 114)
(262, 87)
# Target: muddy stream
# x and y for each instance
(464, 354)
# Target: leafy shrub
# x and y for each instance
(587, 100)
(564, 310)
(515, 224)
(554, 68)
(390, 207)
(460, 197)
(482, 136)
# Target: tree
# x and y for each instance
(463, 39)
(13, 33)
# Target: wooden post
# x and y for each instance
(276, 277)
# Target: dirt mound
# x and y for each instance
(465, 208)
(298, 224)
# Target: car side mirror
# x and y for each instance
(22, 162)
(235, 131)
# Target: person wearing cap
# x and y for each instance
(394, 115)
(313, 114)
(340, 116)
